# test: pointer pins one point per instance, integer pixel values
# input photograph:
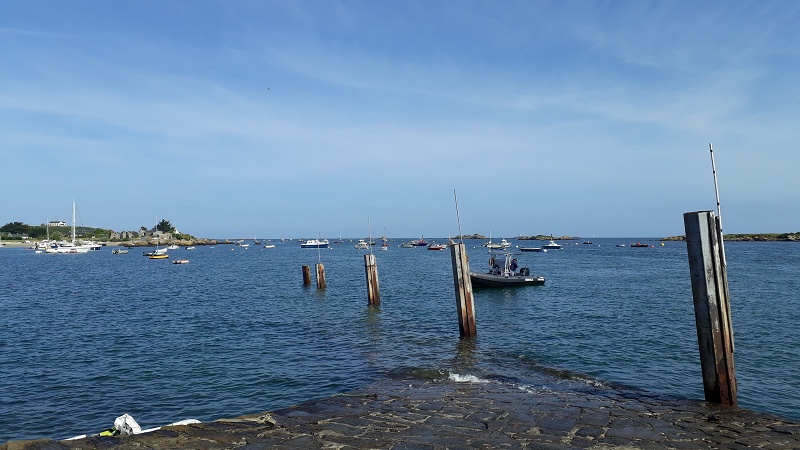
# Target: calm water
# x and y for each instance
(86, 338)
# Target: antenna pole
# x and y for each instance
(719, 210)
(458, 219)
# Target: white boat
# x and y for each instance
(315, 243)
(269, 246)
(552, 245)
(191, 247)
(504, 244)
(362, 245)
(69, 247)
(119, 251)
(172, 247)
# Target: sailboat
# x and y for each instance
(159, 253)
(69, 247)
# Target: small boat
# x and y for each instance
(172, 247)
(532, 249)
(620, 245)
(191, 247)
(159, 256)
(269, 246)
(119, 251)
(406, 245)
(588, 242)
(315, 243)
(639, 244)
(180, 261)
(552, 245)
(505, 276)
(421, 242)
(362, 245)
(435, 246)
(504, 244)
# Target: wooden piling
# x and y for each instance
(321, 284)
(711, 306)
(465, 305)
(373, 288)
(306, 276)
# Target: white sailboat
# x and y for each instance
(69, 247)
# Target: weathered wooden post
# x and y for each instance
(306, 276)
(373, 288)
(711, 305)
(321, 276)
(463, 286)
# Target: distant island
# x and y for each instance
(762, 237)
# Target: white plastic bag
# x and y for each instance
(126, 425)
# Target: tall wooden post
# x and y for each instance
(463, 286)
(306, 276)
(321, 276)
(373, 288)
(712, 310)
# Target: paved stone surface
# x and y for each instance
(419, 415)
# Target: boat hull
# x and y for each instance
(490, 280)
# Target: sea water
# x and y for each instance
(86, 338)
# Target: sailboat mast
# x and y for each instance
(73, 221)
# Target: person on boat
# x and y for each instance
(514, 265)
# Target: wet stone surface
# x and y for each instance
(406, 415)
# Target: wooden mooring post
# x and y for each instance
(321, 284)
(306, 276)
(373, 288)
(712, 309)
(465, 305)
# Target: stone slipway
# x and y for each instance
(403, 414)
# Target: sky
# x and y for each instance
(268, 119)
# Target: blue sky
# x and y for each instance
(321, 118)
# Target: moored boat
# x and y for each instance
(505, 276)
(315, 243)
(180, 261)
(362, 244)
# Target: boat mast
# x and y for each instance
(73, 222)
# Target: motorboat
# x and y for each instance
(191, 247)
(362, 245)
(421, 242)
(119, 251)
(180, 261)
(315, 243)
(435, 246)
(639, 244)
(552, 245)
(504, 244)
(532, 249)
(507, 275)
(407, 245)
(269, 246)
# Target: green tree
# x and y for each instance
(15, 227)
(164, 226)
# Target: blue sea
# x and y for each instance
(86, 338)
